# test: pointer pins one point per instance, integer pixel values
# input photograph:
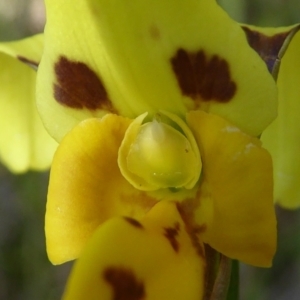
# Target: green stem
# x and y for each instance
(233, 292)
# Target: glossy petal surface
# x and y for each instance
(157, 156)
(86, 187)
(24, 143)
(126, 259)
(235, 213)
(169, 59)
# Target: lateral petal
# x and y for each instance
(86, 187)
(235, 212)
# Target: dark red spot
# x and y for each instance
(78, 86)
(31, 63)
(124, 284)
(171, 234)
(267, 47)
(133, 222)
(198, 75)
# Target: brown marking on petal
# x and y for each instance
(200, 76)
(124, 284)
(194, 236)
(31, 63)
(267, 47)
(133, 222)
(171, 234)
(184, 71)
(186, 210)
(79, 87)
(154, 32)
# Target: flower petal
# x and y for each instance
(271, 44)
(86, 187)
(235, 213)
(28, 50)
(282, 137)
(169, 60)
(126, 259)
(24, 142)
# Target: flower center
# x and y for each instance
(157, 155)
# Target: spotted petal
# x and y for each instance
(126, 259)
(86, 187)
(24, 143)
(282, 137)
(131, 57)
(235, 213)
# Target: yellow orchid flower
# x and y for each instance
(157, 107)
(24, 142)
(157, 78)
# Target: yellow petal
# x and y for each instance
(28, 50)
(24, 143)
(86, 187)
(282, 137)
(169, 60)
(70, 84)
(126, 259)
(235, 213)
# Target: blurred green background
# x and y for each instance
(25, 272)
